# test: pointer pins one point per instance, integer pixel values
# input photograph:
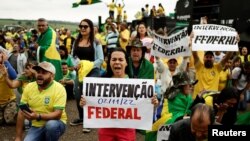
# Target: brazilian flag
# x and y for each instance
(168, 112)
(85, 2)
(243, 119)
(47, 51)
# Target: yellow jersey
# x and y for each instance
(45, 101)
(208, 78)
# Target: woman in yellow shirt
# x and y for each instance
(244, 56)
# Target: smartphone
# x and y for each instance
(25, 107)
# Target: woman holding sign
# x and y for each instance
(117, 67)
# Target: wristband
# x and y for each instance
(39, 117)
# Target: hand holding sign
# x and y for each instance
(147, 42)
(203, 20)
(154, 101)
(118, 103)
(82, 101)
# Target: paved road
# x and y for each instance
(73, 133)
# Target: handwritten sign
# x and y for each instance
(211, 37)
(172, 46)
(118, 103)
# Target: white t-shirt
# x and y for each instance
(218, 58)
(242, 81)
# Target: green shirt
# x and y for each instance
(69, 61)
(146, 70)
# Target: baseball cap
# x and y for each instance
(114, 24)
(172, 59)
(136, 43)
(45, 66)
(209, 53)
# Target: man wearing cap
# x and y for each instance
(208, 72)
(139, 66)
(112, 38)
(164, 74)
(46, 99)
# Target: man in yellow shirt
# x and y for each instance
(111, 7)
(207, 73)
(46, 99)
(125, 16)
(124, 36)
(62, 36)
(119, 9)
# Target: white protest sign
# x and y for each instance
(211, 37)
(172, 46)
(118, 103)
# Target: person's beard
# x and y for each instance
(208, 64)
(45, 83)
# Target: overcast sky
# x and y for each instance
(62, 9)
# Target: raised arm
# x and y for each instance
(194, 53)
(123, 4)
(183, 65)
(160, 66)
(12, 83)
(226, 58)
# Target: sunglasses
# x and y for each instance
(83, 26)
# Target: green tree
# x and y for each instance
(19, 22)
(28, 23)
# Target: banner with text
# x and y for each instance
(211, 37)
(172, 46)
(118, 103)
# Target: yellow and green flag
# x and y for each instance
(85, 2)
(47, 51)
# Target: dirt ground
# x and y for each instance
(73, 133)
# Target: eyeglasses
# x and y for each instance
(83, 26)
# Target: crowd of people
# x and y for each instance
(144, 12)
(47, 67)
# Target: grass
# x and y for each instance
(32, 24)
